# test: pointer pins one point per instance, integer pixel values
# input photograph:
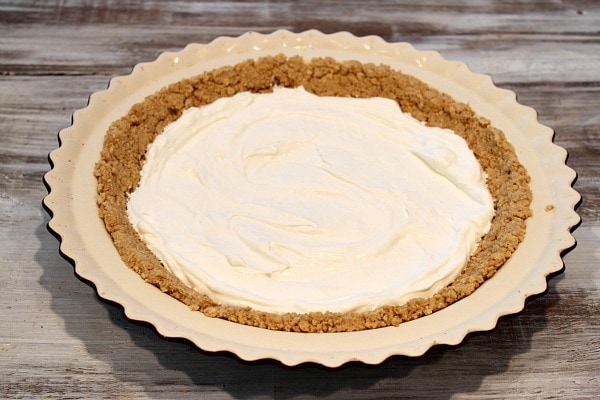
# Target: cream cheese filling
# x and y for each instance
(291, 202)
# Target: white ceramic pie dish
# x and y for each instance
(72, 203)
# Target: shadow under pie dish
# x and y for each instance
(429, 88)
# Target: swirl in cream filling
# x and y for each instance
(291, 202)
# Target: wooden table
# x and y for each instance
(59, 340)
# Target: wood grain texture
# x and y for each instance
(59, 340)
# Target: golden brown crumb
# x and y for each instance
(549, 207)
(126, 141)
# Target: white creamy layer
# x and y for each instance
(290, 202)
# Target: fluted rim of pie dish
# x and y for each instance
(71, 202)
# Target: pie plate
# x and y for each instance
(71, 202)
